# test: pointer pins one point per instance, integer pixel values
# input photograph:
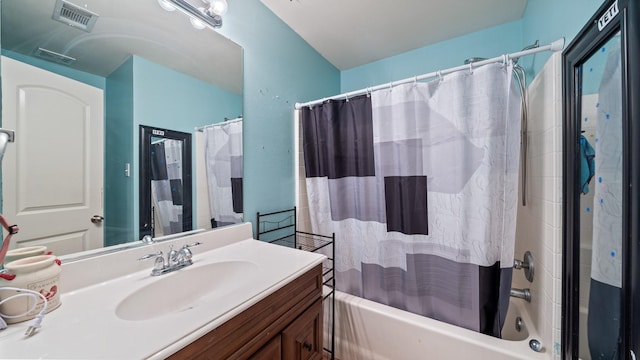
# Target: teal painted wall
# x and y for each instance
(168, 99)
(549, 20)
(119, 189)
(491, 42)
(543, 20)
(280, 69)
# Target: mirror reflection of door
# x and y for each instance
(53, 173)
(601, 165)
(165, 182)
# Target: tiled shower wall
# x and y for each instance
(539, 227)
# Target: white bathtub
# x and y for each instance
(370, 331)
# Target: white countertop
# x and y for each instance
(86, 326)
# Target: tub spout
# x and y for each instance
(521, 294)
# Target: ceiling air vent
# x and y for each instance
(54, 56)
(74, 15)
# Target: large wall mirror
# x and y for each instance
(77, 95)
(600, 216)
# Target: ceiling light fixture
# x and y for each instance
(211, 15)
(218, 7)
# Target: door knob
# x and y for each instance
(97, 219)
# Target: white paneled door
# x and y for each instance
(52, 175)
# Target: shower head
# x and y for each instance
(515, 60)
(532, 46)
(473, 59)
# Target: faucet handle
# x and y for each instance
(186, 253)
(159, 263)
(151, 256)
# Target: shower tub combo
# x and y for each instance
(373, 331)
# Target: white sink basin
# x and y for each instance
(181, 290)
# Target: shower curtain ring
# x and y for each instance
(505, 58)
(415, 81)
(439, 73)
(390, 85)
(368, 92)
(470, 68)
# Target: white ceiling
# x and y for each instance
(124, 27)
(350, 33)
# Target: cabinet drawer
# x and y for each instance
(302, 339)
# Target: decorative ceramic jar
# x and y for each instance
(38, 273)
(15, 254)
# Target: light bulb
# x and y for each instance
(218, 7)
(165, 4)
(197, 23)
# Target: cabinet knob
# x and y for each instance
(307, 346)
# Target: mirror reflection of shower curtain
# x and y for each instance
(606, 261)
(166, 186)
(420, 184)
(223, 158)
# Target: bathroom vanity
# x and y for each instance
(285, 325)
(241, 298)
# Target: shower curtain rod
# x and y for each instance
(557, 45)
(225, 122)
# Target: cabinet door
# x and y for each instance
(302, 339)
(271, 351)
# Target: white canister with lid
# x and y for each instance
(37, 273)
(20, 253)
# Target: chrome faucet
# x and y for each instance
(175, 260)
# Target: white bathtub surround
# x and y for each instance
(539, 227)
(86, 325)
(366, 330)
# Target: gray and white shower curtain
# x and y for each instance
(223, 158)
(166, 186)
(419, 183)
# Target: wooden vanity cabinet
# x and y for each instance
(285, 325)
(271, 351)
